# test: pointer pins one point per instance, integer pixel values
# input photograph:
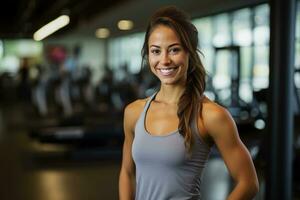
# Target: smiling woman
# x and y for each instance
(167, 57)
(168, 136)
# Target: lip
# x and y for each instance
(167, 71)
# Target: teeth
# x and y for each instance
(166, 71)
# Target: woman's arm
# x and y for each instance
(127, 173)
(223, 131)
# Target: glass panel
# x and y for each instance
(298, 21)
(262, 13)
(205, 31)
(261, 35)
(261, 48)
(113, 58)
(245, 90)
(9, 63)
(222, 77)
(221, 29)
(126, 50)
(261, 68)
(12, 50)
(134, 47)
(23, 48)
(297, 62)
(1, 49)
(261, 20)
(207, 59)
(242, 35)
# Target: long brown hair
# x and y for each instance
(189, 105)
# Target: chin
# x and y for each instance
(169, 81)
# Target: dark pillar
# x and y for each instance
(282, 45)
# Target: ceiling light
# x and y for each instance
(51, 27)
(125, 24)
(102, 33)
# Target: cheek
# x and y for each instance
(152, 62)
(183, 61)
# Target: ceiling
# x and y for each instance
(21, 18)
(139, 11)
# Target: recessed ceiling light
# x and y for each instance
(125, 24)
(102, 33)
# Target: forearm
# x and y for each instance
(126, 186)
(243, 191)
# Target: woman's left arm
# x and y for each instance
(221, 127)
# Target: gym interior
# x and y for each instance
(62, 96)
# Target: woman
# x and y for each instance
(168, 136)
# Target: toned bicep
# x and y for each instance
(127, 161)
(233, 151)
(127, 174)
(237, 160)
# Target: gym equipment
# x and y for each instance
(245, 114)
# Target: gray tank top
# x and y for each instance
(164, 169)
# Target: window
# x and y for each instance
(1, 49)
(248, 30)
(241, 27)
(297, 47)
(221, 30)
(205, 34)
(126, 50)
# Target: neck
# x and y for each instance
(169, 94)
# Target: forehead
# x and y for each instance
(162, 34)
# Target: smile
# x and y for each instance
(167, 71)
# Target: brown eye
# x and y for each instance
(155, 51)
(175, 50)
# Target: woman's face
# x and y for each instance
(167, 58)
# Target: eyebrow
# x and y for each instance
(175, 44)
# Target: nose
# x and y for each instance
(165, 59)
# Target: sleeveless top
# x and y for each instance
(164, 169)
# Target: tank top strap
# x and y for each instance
(148, 102)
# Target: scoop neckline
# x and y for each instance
(144, 122)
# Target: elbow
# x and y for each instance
(251, 188)
(254, 188)
(255, 184)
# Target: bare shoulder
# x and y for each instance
(215, 117)
(213, 111)
(135, 107)
(132, 112)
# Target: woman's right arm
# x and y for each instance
(127, 173)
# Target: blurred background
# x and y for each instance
(62, 96)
